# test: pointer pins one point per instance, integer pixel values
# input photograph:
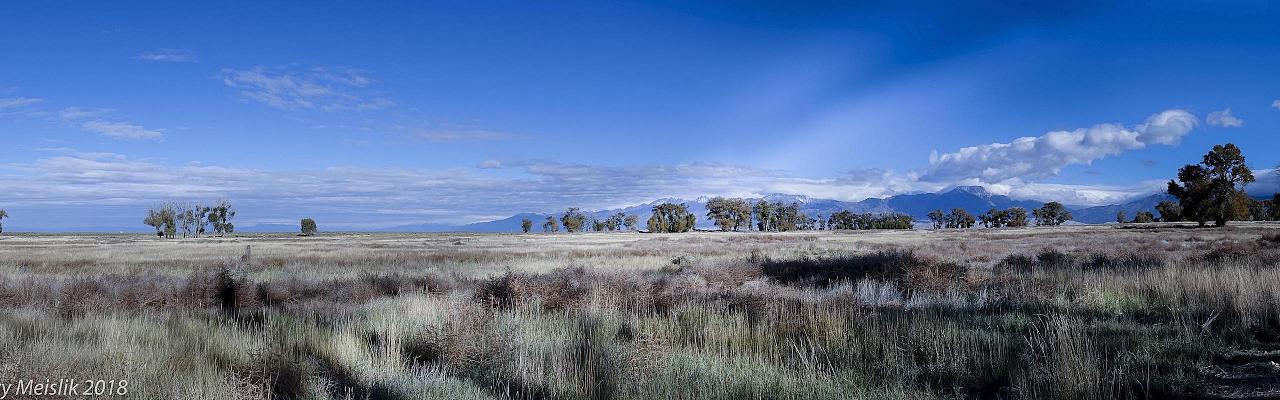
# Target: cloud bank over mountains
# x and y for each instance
(499, 188)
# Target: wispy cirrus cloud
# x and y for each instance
(17, 102)
(123, 130)
(73, 114)
(1276, 104)
(1224, 118)
(315, 88)
(461, 135)
(169, 56)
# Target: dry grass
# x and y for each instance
(1068, 313)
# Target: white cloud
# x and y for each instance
(490, 164)
(462, 135)
(1037, 157)
(1224, 119)
(292, 88)
(123, 130)
(72, 114)
(16, 102)
(1276, 104)
(169, 56)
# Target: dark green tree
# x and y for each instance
(1213, 189)
(938, 218)
(960, 218)
(1273, 209)
(1143, 217)
(1169, 211)
(1016, 217)
(308, 227)
(764, 215)
(1051, 214)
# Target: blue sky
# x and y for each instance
(365, 115)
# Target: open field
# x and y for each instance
(1153, 311)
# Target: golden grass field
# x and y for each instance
(1070, 312)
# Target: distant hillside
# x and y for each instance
(1104, 214)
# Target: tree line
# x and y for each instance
(191, 219)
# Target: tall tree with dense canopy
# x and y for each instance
(729, 214)
(1016, 217)
(526, 225)
(1051, 214)
(670, 217)
(308, 227)
(631, 221)
(1213, 189)
(960, 218)
(937, 217)
(573, 220)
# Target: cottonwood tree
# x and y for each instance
(1120, 217)
(1273, 207)
(1213, 189)
(192, 219)
(729, 214)
(220, 216)
(994, 218)
(550, 225)
(937, 217)
(960, 218)
(3, 215)
(1016, 217)
(843, 219)
(573, 220)
(1169, 211)
(164, 218)
(1143, 217)
(671, 218)
(764, 216)
(615, 221)
(787, 217)
(631, 221)
(1051, 214)
(526, 224)
(308, 227)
